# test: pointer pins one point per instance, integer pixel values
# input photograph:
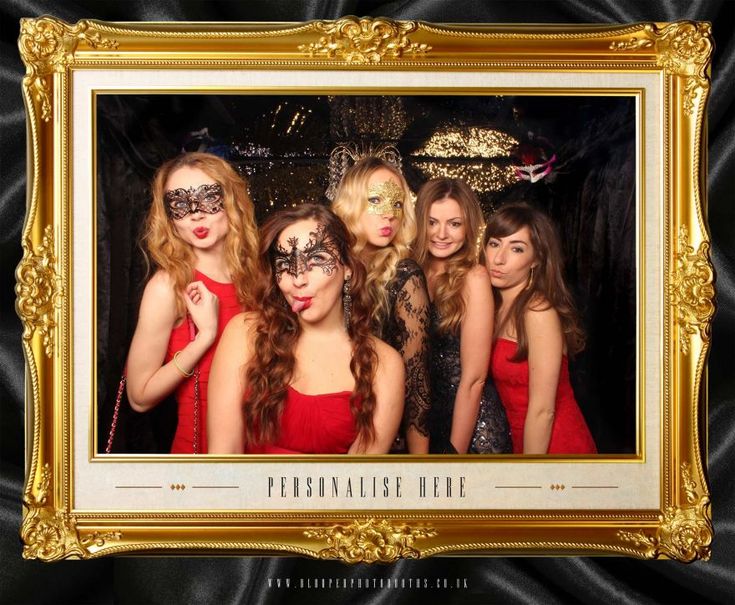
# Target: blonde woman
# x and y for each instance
(201, 238)
(374, 201)
(466, 413)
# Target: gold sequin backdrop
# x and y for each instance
(284, 149)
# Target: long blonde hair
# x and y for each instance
(165, 250)
(349, 203)
(449, 285)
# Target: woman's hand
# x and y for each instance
(203, 307)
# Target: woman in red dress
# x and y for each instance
(304, 374)
(536, 328)
(201, 237)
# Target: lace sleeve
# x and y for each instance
(412, 318)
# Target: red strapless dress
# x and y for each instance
(229, 306)
(313, 424)
(569, 434)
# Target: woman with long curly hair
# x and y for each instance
(375, 202)
(304, 374)
(201, 238)
(536, 329)
(466, 414)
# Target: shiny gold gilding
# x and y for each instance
(51, 534)
(691, 291)
(39, 290)
(52, 50)
(684, 532)
(364, 40)
(47, 45)
(370, 541)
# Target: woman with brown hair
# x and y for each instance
(536, 328)
(304, 374)
(201, 237)
(466, 414)
(374, 201)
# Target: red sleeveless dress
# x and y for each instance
(569, 434)
(313, 424)
(229, 306)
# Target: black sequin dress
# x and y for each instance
(492, 432)
(406, 329)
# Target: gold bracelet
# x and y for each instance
(184, 373)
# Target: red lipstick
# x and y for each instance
(300, 303)
(201, 232)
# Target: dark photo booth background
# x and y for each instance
(599, 268)
(282, 146)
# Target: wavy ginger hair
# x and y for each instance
(350, 201)
(546, 288)
(449, 285)
(277, 330)
(165, 250)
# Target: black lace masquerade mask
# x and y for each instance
(320, 251)
(205, 198)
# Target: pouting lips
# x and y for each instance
(385, 231)
(201, 232)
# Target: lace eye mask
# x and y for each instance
(319, 251)
(205, 198)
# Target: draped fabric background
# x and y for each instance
(495, 580)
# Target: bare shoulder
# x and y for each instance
(237, 341)
(160, 286)
(479, 274)
(241, 325)
(389, 359)
(477, 278)
(477, 283)
(541, 317)
(538, 304)
(158, 305)
(161, 280)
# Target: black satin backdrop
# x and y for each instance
(241, 580)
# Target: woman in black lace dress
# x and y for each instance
(466, 413)
(375, 202)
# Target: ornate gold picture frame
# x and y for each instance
(652, 504)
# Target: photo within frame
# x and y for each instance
(284, 146)
(600, 127)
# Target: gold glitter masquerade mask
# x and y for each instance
(385, 198)
(205, 198)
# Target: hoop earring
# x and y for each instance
(530, 279)
(347, 301)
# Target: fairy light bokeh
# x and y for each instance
(282, 144)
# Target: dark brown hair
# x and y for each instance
(547, 287)
(277, 331)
